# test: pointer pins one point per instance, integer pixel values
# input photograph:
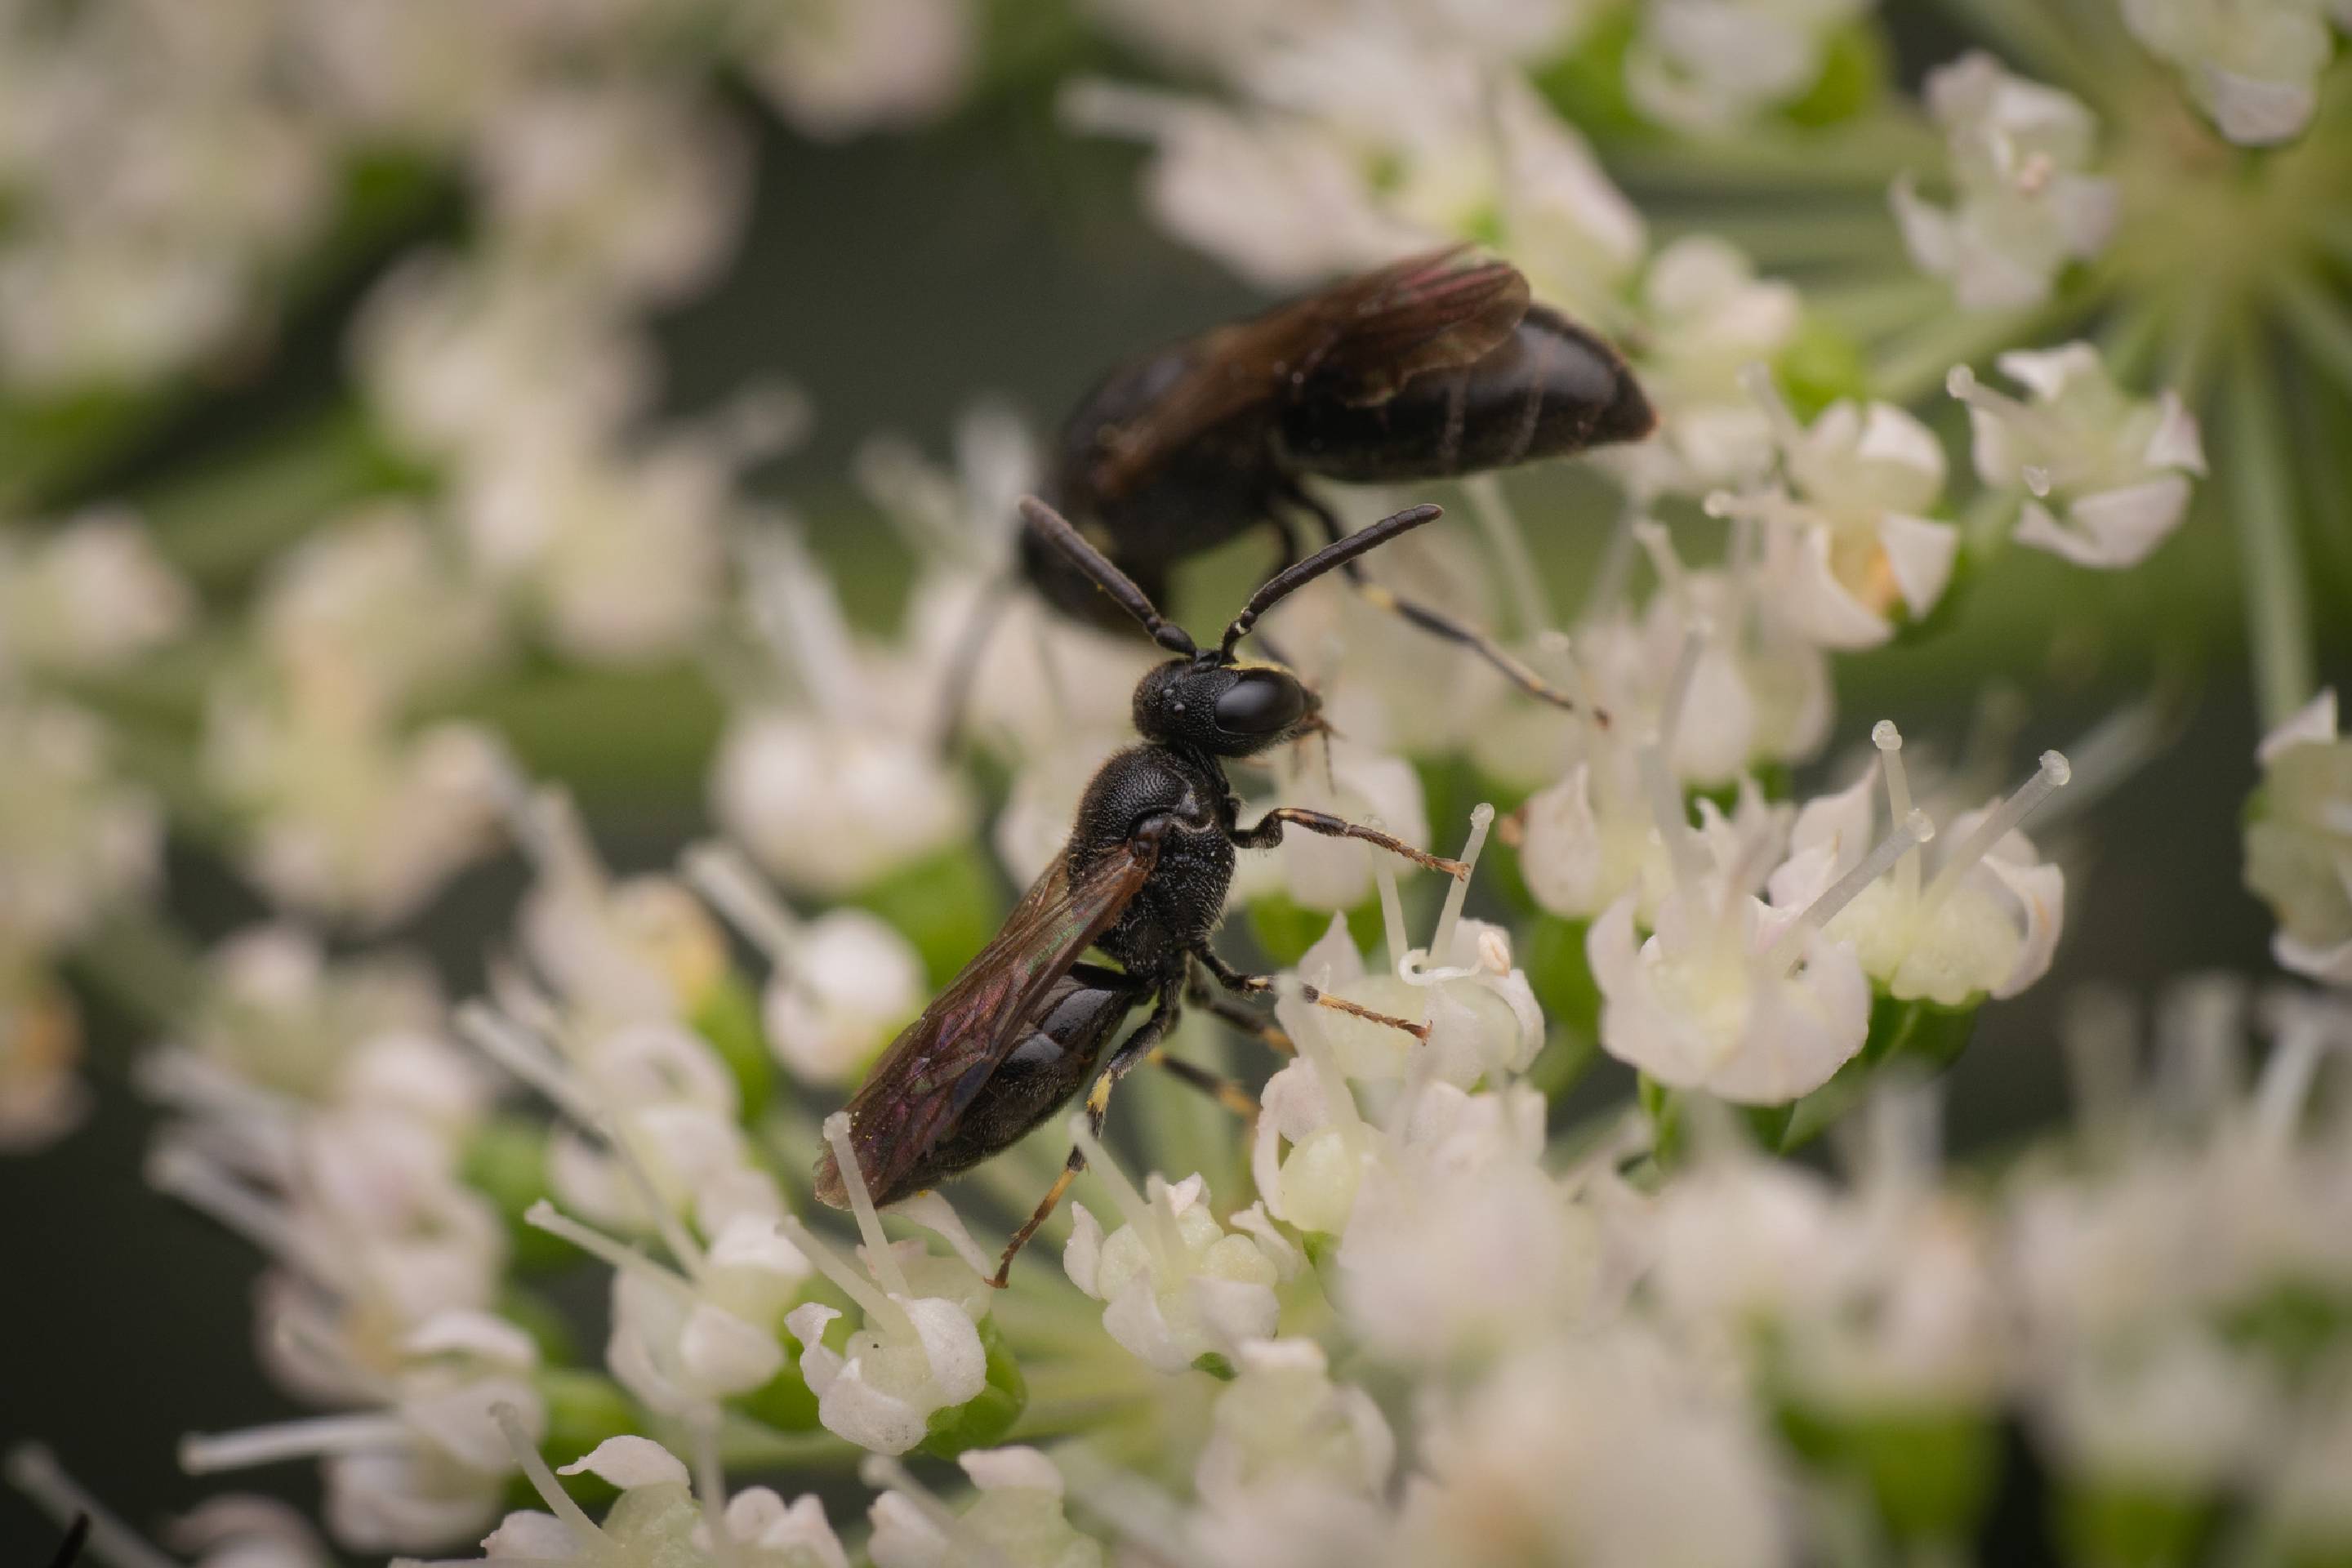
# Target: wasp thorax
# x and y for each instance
(1226, 709)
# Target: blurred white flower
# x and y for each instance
(766, 1533)
(90, 594)
(1014, 1521)
(834, 809)
(1176, 1284)
(73, 836)
(459, 358)
(276, 1015)
(1704, 318)
(620, 551)
(1711, 66)
(2117, 468)
(840, 67)
(2024, 203)
(636, 190)
(1295, 1467)
(359, 1207)
(842, 985)
(376, 597)
(1592, 1451)
(2299, 841)
(1033, 831)
(429, 1462)
(1365, 146)
(835, 794)
(686, 1337)
(2252, 65)
(350, 818)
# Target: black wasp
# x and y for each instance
(1427, 369)
(1144, 877)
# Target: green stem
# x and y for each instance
(1860, 157)
(1846, 232)
(1917, 366)
(1881, 306)
(2261, 492)
(2024, 30)
(2319, 326)
(221, 524)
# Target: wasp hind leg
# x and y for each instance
(1139, 1047)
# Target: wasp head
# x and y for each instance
(1224, 708)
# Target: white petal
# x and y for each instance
(527, 1533)
(2255, 112)
(2332, 965)
(1332, 962)
(2042, 890)
(932, 1211)
(752, 1242)
(493, 1339)
(1560, 851)
(820, 1364)
(1082, 1255)
(2112, 528)
(1803, 1030)
(726, 1354)
(2313, 725)
(1893, 439)
(1818, 605)
(951, 1345)
(2046, 372)
(1920, 554)
(1018, 1466)
(629, 1463)
(2175, 442)
(854, 1410)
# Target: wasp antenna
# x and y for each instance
(1337, 554)
(1055, 530)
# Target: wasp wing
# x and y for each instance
(932, 1070)
(1360, 340)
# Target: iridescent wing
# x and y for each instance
(1358, 341)
(932, 1070)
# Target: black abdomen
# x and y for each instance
(1050, 1064)
(1550, 390)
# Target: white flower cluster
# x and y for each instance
(80, 601)
(166, 176)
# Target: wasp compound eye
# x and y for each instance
(1261, 702)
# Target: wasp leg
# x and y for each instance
(1133, 1051)
(77, 1535)
(1437, 623)
(1267, 833)
(1231, 1013)
(1234, 980)
(1216, 1086)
